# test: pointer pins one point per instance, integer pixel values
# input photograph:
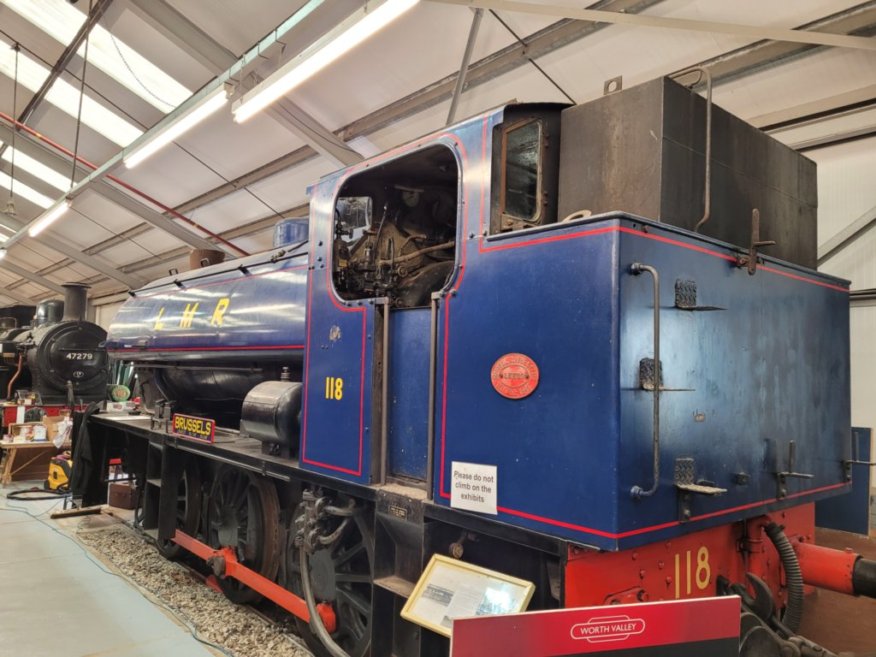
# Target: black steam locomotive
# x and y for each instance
(58, 355)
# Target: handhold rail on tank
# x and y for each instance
(433, 370)
(704, 73)
(637, 491)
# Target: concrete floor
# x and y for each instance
(54, 600)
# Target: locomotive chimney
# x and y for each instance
(75, 300)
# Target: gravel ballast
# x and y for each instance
(236, 629)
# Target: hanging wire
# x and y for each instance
(81, 96)
(135, 76)
(11, 206)
(530, 59)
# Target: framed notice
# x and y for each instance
(450, 589)
(677, 628)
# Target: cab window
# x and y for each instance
(395, 229)
(525, 166)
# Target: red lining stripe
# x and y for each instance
(270, 347)
(665, 525)
(347, 309)
(589, 233)
(306, 367)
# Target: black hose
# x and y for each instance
(29, 494)
(793, 615)
(316, 623)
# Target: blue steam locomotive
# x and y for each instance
(479, 345)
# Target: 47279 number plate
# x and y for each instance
(196, 428)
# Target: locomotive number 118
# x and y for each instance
(698, 572)
(334, 388)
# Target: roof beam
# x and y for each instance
(181, 31)
(93, 18)
(541, 43)
(311, 131)
(188, 36)
(97, 12)
(154, 217)
(844, 104)
(725, 67)
(52, 158)
(846, 236)
(666, 22)
(762, 55)
(77, 255)
(29, 275)
(466, 61)
(16, 296)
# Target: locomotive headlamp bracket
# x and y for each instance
(755, 243)
(783, 475)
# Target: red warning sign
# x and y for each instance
(514, 376)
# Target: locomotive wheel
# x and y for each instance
(243, 513)
(188, 508)
(341, 575)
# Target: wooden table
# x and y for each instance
(34, 451)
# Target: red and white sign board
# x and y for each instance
(680, 628)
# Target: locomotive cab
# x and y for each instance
(395, 229)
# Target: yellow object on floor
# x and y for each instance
(59, 473)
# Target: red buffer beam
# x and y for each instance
(844, 571)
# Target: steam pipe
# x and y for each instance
(15, 376)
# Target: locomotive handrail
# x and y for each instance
(707, 192)
(433, 370)
(637, 491)
(220, 268)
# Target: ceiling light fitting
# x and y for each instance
(210, 104)
(50, 216)
(349, 34)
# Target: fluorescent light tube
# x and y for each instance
(25, 191)
(316, 58)
(61, 20)
(2, 253)
(65, 97)
(49, 217)
(47, 174)
(209, 105)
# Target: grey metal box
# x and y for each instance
(641, 150)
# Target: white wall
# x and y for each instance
(847, 191)
(104, 312)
